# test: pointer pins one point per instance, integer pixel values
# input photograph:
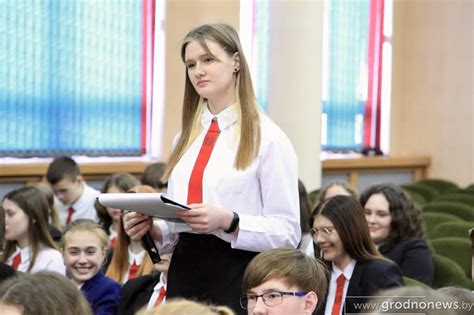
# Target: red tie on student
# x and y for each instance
(336, 308)
(16, 261)
(195, 181)
(161, 296)
(132, 274)
(70, 211)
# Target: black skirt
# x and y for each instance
(206, 268)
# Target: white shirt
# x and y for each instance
(265, 195)
(335, 273)
(83, 207)
(156, 293)
(133, 258)
(47, 259)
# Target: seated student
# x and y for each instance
(130, 260)
(145, 291)
(84, 247)
(54, 226)
(29, 246)
(396, 228)
(187, 307)
(76, 198)
(342, 240)
(152, 176)
(335, 188)
(283, 281)
(42, 293)
(109, 218)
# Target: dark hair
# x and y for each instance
(33, 203)
(406, 215)
(123, 181)
(44, 293)
(62, 167)
(349, 221)
(305, 208)
(290, 265)
(153, 174)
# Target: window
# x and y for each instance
(74, 77)
(352, 105)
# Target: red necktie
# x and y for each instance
(133, 271)
(113, 242)
(16, 261)
(195, 181)
(336, 308)
(70, 211)
(161, 296)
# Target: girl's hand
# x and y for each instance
(205, 219)
(137, 224)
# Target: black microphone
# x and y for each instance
(149, 245)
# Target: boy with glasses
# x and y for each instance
(283, 281)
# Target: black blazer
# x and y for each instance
(136, 293)
(414, 259)
(6, 271)
(367, 280)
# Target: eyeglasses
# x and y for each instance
(270, 298)
(325, 232)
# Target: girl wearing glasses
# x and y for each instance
(396, 227)
(342, 240)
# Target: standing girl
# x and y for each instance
(29, 246)
(235, 169)
(84, 246)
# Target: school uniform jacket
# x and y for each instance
(414, 259)
(136, 293)
(367, 280)
(102, 293)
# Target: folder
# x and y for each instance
(152, 204)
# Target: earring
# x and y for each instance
(236, 69)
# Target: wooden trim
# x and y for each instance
(377, 162)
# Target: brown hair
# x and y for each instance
(349, 221)
(249, 123)
(344, 185)
(119, 264)
(290, 265)
(44, 293)
(153, 174)
(62, 167)
(123, 181)
(53, 212)
(34, 205)
(406, 215)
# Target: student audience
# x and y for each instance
(283, 281)
(29, 246)
(84, 247)
(76, 198)
(342, 240)
(396, 228)
(42, 293)
(130, 260)
(110, 218)
(146, 291)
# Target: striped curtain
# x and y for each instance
(71, 77)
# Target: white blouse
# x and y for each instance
(265, 195)
(47, 259)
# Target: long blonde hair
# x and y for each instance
(248, 115)
(119, 264)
